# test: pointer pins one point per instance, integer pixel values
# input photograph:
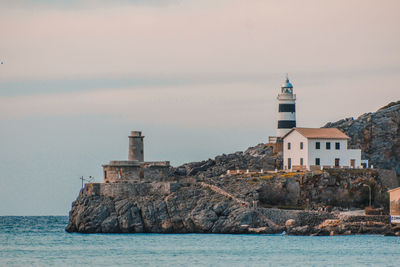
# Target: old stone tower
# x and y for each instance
(135, 169)
(136, 146)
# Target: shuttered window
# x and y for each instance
(337, 145)
(317, 145)
(328, 145)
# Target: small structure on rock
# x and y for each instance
(313, 148)
(135, 169)
(286, 115)
(395, 205)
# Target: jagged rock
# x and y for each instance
(322, 232)
(299, 230)
(110, 224)
(197, 209)
(253, 159)
(377, 134)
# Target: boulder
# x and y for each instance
(290, 223)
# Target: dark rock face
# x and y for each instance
(377, 134)
(335, 187)
(191, 209)
(195, 209)
(233, 205)
(253, 159)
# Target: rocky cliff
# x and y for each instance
(232, 204)
(260, 157)
(191, 208)
(340, 188)
(377, 134)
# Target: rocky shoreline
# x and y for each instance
(200, 207)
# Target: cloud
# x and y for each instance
(79, 4)
(220, 105)
(186, 38)
(198, 106)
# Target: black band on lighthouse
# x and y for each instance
(286, 124)
(287, 108)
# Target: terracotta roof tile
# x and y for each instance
(321, 133)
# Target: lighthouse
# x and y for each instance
(287, 109)
(136, 146)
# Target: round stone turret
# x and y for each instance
(136, 146)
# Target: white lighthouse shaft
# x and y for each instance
(287, 109)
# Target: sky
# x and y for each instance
(199, 78)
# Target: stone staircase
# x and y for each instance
(218, 190)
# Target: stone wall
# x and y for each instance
(155, 173)
(133, 171)
(121, 173)
(126, 190)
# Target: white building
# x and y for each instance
(313, 148)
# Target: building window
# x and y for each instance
(317, 161)
(337, 145)
(337, 162)
(301, 145)
(289, 163)
(317, 145)
(328, 145)
(288, 146)
(301, 162)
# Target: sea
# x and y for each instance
(42, 241)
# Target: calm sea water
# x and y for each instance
(41, 241)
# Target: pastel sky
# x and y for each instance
(199, 78)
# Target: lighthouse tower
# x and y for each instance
(287, 109)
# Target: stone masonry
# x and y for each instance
(135, 169)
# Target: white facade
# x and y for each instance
(306, 151)
(295, 153)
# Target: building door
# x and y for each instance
(337, 162)
(353, 163)
(289, 163)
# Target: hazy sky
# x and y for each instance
(199, 78)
